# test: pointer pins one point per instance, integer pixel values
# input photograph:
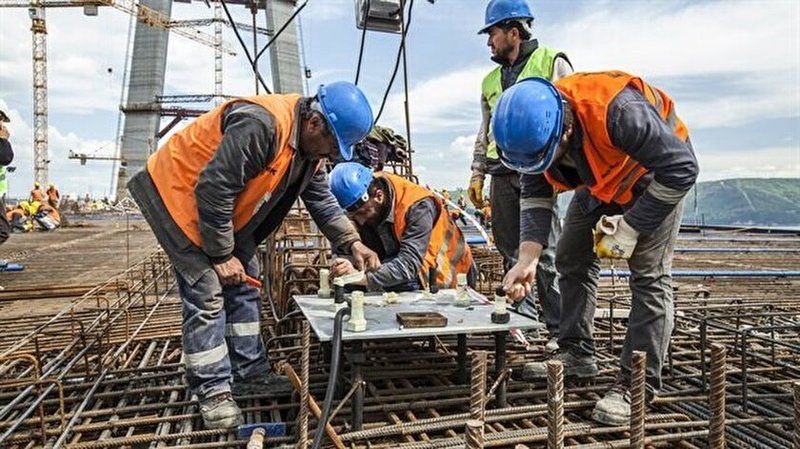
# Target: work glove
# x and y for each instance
(475, 191)
(614, 238)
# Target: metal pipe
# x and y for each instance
(477, 392)
(716, 398)
(555, 404)
(302, 420)
(638, 360)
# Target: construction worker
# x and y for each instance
(53, 197)
(47, 217)
(518, 56)
(214, 192)
(406, 224)
(619, 142)
(6, 157)
(36, 193)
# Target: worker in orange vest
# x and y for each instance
(47, 217)
(407, 225)
(36, 193)
(214, 192)
(619, 142)
(53, 197)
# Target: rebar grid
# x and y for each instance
(412, 397)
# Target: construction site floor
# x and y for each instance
(65, 263)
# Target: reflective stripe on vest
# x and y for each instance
(540, 64)
(176, 166)
(447, 250)
(590, 94)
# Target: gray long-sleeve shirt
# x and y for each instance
(637, 129)
(401, 260)
(247, 148)
(508, 77)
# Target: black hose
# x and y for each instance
(335, 356)
(396, 62)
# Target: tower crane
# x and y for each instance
(36, 10)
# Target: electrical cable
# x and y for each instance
(336, 350)
(244, 47)
(363, 39)
(286, 24)
(396, 63)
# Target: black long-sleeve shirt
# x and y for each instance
(401, 260)
(6, 152)
(636, 128)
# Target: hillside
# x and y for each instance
(743, 201)
(746, 201)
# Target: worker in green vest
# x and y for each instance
(518, 56)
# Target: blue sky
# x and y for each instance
(733, 69)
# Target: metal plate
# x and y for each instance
(382, 318)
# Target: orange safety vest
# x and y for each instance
(53, 212)
(447, 251)
(589, 95)
(52, 194)
(36, 195)
(176, 166)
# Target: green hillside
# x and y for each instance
(743, 201)
(746, 201)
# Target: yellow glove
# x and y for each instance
(475, 191)
(614, 238)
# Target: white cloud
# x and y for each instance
(778, 162)
(462, 145)
(756, 40)
(68, 174)
(445, 103)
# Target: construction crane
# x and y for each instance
(36, 10)
(83, 157)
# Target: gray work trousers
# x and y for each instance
(651, 317)
(221, 332)
(504, 194)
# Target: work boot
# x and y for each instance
(220, 411)
(615, 407)
(577, 366)
(552, 345)
(269, 385)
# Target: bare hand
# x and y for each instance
(230, 272)
(365, 258)
(342, 267)
(517, 282)
(4, 132)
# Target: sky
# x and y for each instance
(732, 68)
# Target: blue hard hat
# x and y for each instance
(527, 125)
(501, 10)
(348, 112)
(349, 184)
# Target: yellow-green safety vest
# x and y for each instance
(540, 64)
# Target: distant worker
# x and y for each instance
(6, 157)
(518, 56)
(18, 219)
(619, 142)
(47, 217)
(445, 195)
(37, 194)
(406, 224)
(462, 203)
(53, 197)
(214, 192)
